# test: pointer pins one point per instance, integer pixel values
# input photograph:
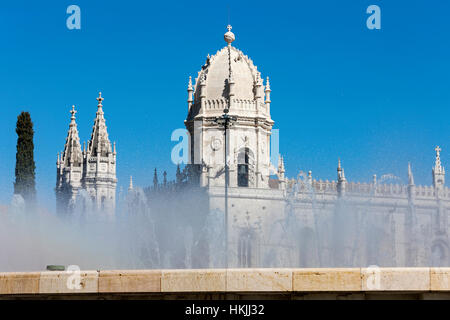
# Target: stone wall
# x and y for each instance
(337, 283)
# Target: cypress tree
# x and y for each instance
(25, 166)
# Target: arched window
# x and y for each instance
(244, 167)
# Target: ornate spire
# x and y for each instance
(202, 83)
(267, 91)
(437, 166)
(190, 88)
(130, 187)
(99, 143)
(100, 177)
(411, 185)
(340, 170)
(342, 182)
(258, 85)
(410, 175)
(438, 170)
(190, 93)
(281, 168)
(72, 149)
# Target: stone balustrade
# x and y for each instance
(274, 283)
(385, 189)
(236, 104)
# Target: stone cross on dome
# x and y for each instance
(229, 36)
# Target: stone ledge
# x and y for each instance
(129, 281)
(232, 281)
(257, 280)
(196, 280)
(19, 282)
(395, 279)
(440, 279)
(326, 279)
(57, 282)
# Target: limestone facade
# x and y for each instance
(333, 223)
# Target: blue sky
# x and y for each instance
(375, 98)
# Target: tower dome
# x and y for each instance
(216, 73)
(227, 76)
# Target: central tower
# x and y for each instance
(229, 80)
(229, 89)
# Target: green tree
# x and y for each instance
(25, 166)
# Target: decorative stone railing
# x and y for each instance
(216, 104)
(262, 281)
(394, 190)
(243, 105)
(320, 185)
(427, 191)
(236, 105)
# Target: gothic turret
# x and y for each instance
(130, 187)
(190, 94)
(100, 163)
(259, 89)
(267, 92)
(69, 169)
(438, 173)
(411, 185)
(411, 231)
(341, 182)
(281, 172)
